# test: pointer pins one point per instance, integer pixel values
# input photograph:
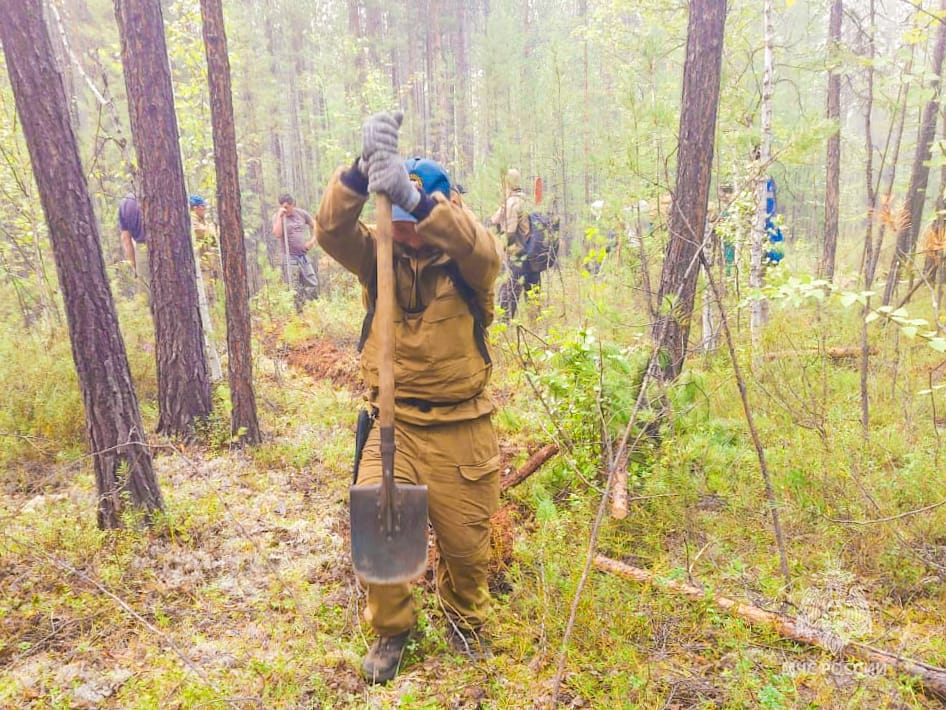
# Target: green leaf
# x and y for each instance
(938, 344)
(871, 317)
(909, 331)
(848, 298)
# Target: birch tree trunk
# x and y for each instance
(120, 454)
(711, 304)
(183, 384)
(210, 352)
(758, 308)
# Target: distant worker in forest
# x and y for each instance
(512, 221)
(445, 267)
(205, 246)
(132, 234)
(294, 231)
(774, 249)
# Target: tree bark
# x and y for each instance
(244, 422)
(759, 238)
(183, 382)
(833, 165)
(908, 234)
(701, 76)
(871, 195)
(120, 455)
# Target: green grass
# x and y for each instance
(246, 576)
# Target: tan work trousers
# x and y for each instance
(459, 463)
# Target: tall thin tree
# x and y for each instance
(244, 422)
(759, 237)
(120, 454)
(833, 164)
(183, 382)
(701, 76)
(871, 195)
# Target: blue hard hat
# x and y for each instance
(428, 175)
(197, 201)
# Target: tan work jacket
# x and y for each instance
(436, 358)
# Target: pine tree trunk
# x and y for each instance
(833, 166)
(701, 76)
(244, 420)
(120, 454)
(183, 383)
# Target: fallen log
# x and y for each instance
(931, 678)
(514, 477)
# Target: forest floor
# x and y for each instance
(242, 595)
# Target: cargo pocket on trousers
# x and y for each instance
(475, 471)
(480, 482)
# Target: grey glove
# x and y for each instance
(379, 135)
(387, 175)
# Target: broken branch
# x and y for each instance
(534, 462)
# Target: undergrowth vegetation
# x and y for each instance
(241, 593)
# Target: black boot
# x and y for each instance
(384, 658)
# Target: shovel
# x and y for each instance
(285, 241)
(388, 521)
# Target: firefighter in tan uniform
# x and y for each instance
(445, 265)
(512, 221)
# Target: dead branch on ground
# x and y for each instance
(533, 464)
(932, 678)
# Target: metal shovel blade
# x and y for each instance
(392, 551)
(388, 520)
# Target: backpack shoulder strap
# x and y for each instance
(469, 297)
(372, 288)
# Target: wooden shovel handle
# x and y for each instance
(384, 312)
(285, 242)
(384, 321)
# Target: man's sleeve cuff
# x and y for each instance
(424, 207)
(355, 180)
